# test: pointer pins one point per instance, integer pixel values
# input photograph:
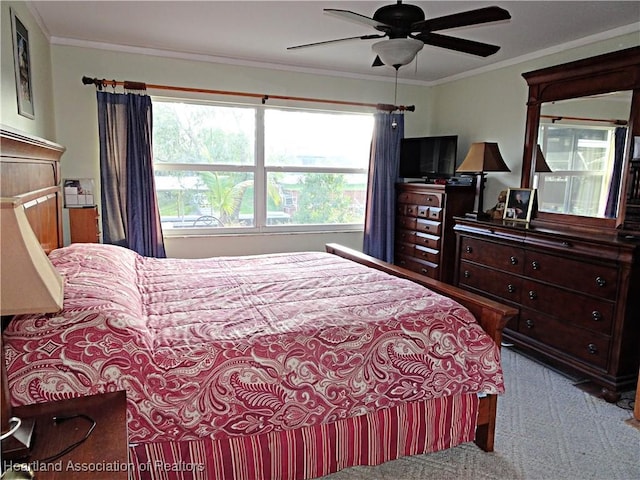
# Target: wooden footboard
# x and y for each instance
(492, 316)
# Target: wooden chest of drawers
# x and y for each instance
(577, 295)
(424, 240)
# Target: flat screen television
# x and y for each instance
(428, 157)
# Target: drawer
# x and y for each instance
(593, 279)
(587, 312)
(428, 254)
(428, 226)
(406, 236)
(403, 248)
(406, 222)
(428, 199)
(422, 253)
(434, 213)
(585, 345)
(503, 286)
(427, 240)
(504, 257)
(428, 269)
(407, 209)
(571, 246)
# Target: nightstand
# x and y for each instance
(83, 225)
(103, 455)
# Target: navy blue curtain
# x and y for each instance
(379, 222)
(616, 174)
(130, 215)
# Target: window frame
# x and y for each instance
(260, 173)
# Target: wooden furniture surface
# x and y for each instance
(103, 455)
(83, 225)
(30, 171)
(576, 293)
(491, 315)
(424, 237)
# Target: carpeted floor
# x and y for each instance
(547, 429)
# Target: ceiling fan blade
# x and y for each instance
(377, 62)
(462, 19)
(357, 18)
(457, 44)
(361, 37)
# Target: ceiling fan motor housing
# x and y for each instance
(399, 16)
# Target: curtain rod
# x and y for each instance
(557, 118)
(103, 83)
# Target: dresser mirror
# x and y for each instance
(581, 120)
(582, 149)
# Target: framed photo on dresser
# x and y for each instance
(519, 204)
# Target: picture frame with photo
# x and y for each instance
(519, 204)
(22, 66)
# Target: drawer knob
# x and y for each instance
(424, 270)
(567, 244)
(529, 323)
(514, 260)
(468, 249)
(467, 274)
(535, 265)
(592, 348)
(533, 295)
(402, 262)
(601, 282)
(596, 315)
(511, 288)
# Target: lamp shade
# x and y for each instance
(483, 157)
(541, 162)
(396, 52)
(29, 283)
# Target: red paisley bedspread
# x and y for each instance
(236, 346)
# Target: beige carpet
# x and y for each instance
(547, 429)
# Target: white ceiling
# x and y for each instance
(258, 32)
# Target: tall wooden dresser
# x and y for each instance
(424, 239)
(577, 293)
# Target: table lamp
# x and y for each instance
(29, 283)
(482, 157)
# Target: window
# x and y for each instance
(581, 161)
(240, 168)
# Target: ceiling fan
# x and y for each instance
(408, 30)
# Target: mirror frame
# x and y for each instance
(605, 73)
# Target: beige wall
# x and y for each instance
(492, 107)
(486, 107)
(43, 124)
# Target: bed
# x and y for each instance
(271, 366)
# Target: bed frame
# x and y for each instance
(30, 171)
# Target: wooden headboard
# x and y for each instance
(30, 173)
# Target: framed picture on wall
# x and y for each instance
(519, 204)
(22, 65)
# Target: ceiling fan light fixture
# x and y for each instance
(397, 51)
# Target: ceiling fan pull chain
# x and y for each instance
(395, 92)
